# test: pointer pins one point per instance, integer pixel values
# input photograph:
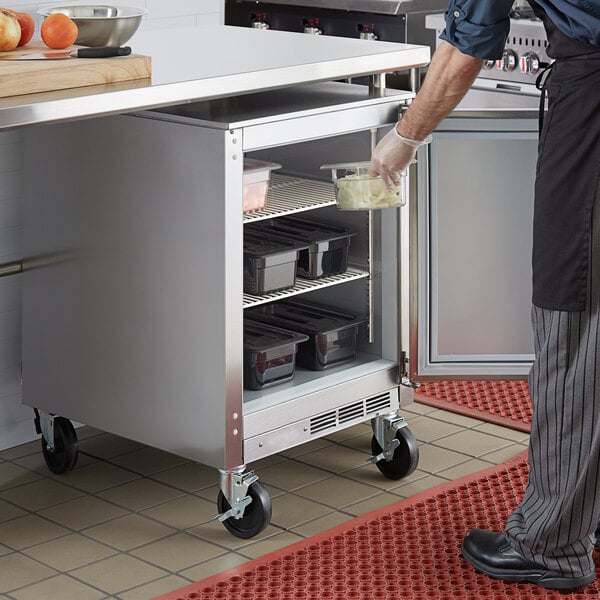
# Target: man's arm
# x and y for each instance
(449, 77)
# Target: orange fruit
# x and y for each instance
(58, 31)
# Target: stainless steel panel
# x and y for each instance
(133, 325)
(276, 60)
(474, 274)
(336, 417)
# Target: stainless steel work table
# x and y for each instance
(199, 63)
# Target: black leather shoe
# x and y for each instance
(491, 554)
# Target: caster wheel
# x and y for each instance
(63, 457)
(405, 459)
(256, 516)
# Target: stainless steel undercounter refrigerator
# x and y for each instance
(154, 315)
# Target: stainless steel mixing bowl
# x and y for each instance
(101, 25)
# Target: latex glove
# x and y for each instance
(392, 155)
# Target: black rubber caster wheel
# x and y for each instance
(256, 516)
(63, 457)
(406, 455)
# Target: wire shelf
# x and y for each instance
(305, 285)
(288, 195)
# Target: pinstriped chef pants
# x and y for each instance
(555, 522)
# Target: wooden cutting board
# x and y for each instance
(31, 76)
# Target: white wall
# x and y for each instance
(16, 421)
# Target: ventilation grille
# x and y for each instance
(351, 412)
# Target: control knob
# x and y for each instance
(508, 62)
(530, 63)
(367, 32)
(488, 64)
(367, 35)
(311, 27)
(259, 25)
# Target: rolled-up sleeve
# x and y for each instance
(478, 27)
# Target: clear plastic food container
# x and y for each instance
(257, 175)
(355, 189)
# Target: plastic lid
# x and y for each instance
(260, 337)
(354, 165)
(251, 165)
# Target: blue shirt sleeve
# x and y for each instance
(478, 27)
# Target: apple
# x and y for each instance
(10, 30)
(27, 27)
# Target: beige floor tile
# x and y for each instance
(337, 492)
(61, 587)
(270, 544)
(473, 443)
(433, 459)
(467, 468)
(12, 476)
(40, 494)
(405, 490)
(177, 552)
(267, 461)
(107, 445)
(296, 451)
(5, 550)
(416, 408)
(311, 528)
(428, 430)
(118, 573)
(98, 476)
(214, 566)
(335, 460)
(36, 463)
(69, 552)
(183, 513)
(83, 512)
(128, 532)
(189, 477)
(21, 450)
(149, 460)
(371, 475)
(29, 531)
(360, 443)
(504, 454)
(140, 494)
(154, 589)
(216, 533)
(374, 503)
(17, 571)
(450, 417)
(349, 432)
(290, 510)
(10, 511)
(503, 432)
(291, 474)
(87, 432)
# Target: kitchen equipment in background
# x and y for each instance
(328, 245)
(387, 20)
(18, 77)
(356, 189)
(257, 175)
(101, 25)
(269, 355)
(98, 52)
(331, 333)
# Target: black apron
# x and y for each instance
(568, 172)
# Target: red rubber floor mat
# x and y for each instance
(505, 403)
(407, 551)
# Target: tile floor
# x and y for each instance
(131, 522)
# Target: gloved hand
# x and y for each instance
(392, 155)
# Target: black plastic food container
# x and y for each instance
(332, 334)
(269, 354)
(269, 262)
(327, 245)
